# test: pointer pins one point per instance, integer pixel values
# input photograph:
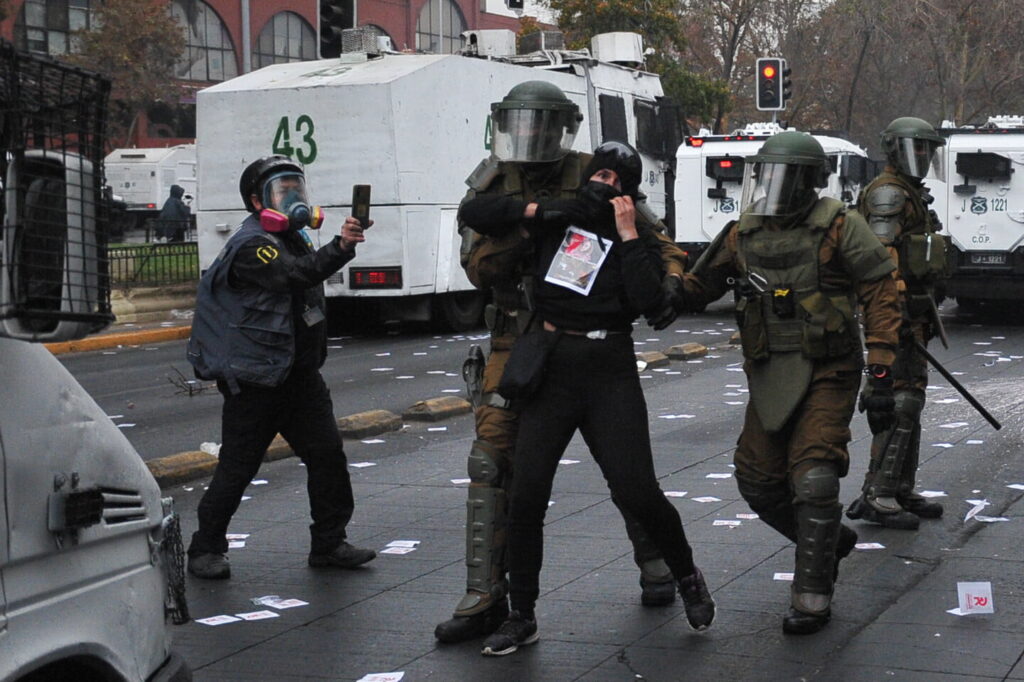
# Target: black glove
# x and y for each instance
(560, 213)
(667, 311)
(879, 401)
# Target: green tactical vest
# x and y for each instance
(922, 252)
(792, 321)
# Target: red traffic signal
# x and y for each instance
(768, 86)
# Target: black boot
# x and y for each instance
(921, 506)
(901, 520)
(800, 623)
(461, 628)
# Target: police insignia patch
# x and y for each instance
(266, 253)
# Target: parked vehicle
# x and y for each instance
(413, 126)
(91, 560)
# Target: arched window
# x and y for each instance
(287, 37)
(45, 26)
(209, 52)
(440, 26)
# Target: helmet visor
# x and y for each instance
(772, 189)
(532, 135)
(915, 157)
(284, 191)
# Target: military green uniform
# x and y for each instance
(803, 361)
(497, 264)
(802, 273)
(895, 205)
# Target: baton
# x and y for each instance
(958, 386)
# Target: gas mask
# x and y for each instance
(285, 204)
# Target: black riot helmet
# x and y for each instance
(621, 158)
(257, 173)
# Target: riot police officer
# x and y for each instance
(259, 331)
(533, 129)
(802, 264)
(895, 205)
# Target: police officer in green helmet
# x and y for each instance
(532, 163)
(800, 265)
(895, 205)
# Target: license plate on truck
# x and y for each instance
(988, 259)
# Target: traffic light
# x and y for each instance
(769, 84)
(787, 84)
(335, 15)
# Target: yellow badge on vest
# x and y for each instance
(266, 253)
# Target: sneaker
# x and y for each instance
(657, 593)
(515, 632)
(210, 566)
(344, 556)
(461, 628)
(700, 607)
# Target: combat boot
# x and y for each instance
(894, 515)
(462, 628)
(817, 615)
(920, 506)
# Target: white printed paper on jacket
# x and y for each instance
(578, 260)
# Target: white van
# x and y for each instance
(91, 559)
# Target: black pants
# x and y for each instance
(591, 385)
(300, 410)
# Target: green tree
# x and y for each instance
(135, 43)
(660, 24)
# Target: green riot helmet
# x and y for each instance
(787, 169)
(534, 122)
(909, 144)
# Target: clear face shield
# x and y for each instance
(285, 195)
(772, 189)
(532, 135)
(918, 158)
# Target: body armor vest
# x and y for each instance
(921, 253)
(241, 334)
(787, 319)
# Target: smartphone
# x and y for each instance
(361, 204)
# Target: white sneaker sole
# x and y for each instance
(532, 639)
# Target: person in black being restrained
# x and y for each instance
(587, 303)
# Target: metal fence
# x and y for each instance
(146, 265)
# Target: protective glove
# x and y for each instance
(879, 401)
(560, 213)
(667, 311)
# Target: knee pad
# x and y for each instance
(485, 463)
(909, 404)
(817, 484)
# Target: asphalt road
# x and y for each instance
(890, 617)
(142, 389)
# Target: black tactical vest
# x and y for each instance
(241, 334)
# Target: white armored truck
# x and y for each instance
(91, 560)
(413, 126)
(980, 202)
(709, 179)
(142, 178)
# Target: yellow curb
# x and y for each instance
(653, 358)
(135, 338)
(435, 409)
(181, 468)
(687, 351)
